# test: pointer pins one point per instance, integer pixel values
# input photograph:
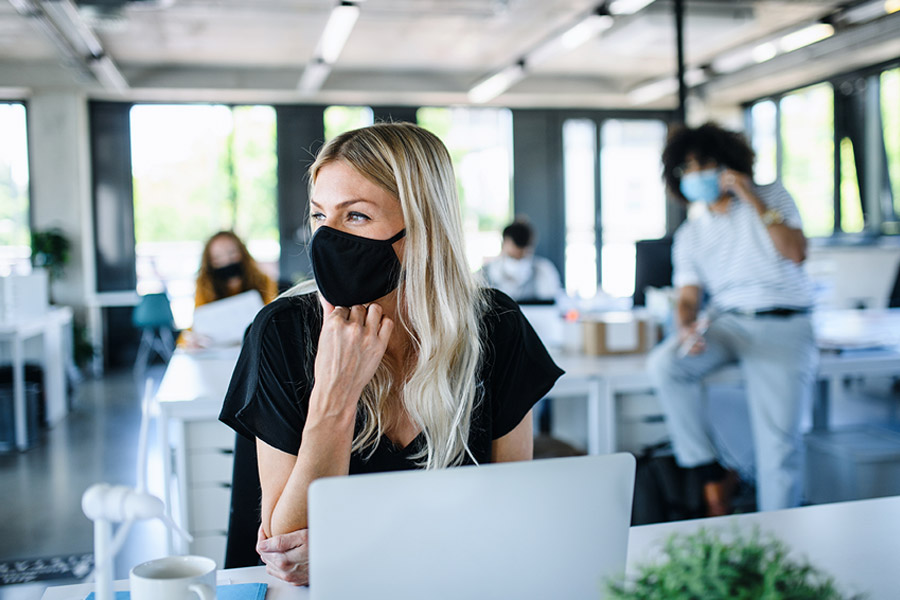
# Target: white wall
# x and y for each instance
(60, 184)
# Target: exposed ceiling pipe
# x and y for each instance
(60, 23)
(583, 29)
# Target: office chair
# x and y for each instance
(244, 517)
(153, 316)
(652, 266)
(894, 302)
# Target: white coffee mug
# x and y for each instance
(174, 578)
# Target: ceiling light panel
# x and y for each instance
(340, 23)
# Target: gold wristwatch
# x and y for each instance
(772, 217)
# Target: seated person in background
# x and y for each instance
(525, 278)
(517, 272)
(399, 360)
(745, 250)
(226, 269)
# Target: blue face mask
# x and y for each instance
(701, 186)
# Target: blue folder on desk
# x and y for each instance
(237, 591)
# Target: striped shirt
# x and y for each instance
(731, 256)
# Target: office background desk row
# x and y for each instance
(197, 478)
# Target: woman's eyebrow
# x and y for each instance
(343, 204)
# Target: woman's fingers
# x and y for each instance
(374, 316)
(385, 330)
(357, 314)
(352, 342)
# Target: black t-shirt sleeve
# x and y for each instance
(269, 387)
(521, 371)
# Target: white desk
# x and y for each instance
(602, 378)
(856, 543)
(197, 448)
(49, 327)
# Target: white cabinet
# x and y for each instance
(199, 448)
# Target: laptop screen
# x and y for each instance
(555, 528)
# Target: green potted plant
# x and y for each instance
(708, 566)
(50, 249)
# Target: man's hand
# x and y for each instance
(286, 556)
(740, 185)
(691, 338)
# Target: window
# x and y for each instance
(632, 197)
(339, 119)
(480, 144)
(579, 158)
(764, 137)
(199, 169)
(890, 118)
(851, 208)
(807, 141)
(15, 235)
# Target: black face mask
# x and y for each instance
(351, 270)
(228, 271)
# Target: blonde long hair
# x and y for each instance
(440, 302)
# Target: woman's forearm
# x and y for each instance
(324, 452)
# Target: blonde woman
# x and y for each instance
(400, 360)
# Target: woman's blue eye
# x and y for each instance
(355, 216)
(317, 216)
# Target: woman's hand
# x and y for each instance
(191, 340)
(286, 556)
(351, 345)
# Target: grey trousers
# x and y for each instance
(778, 358)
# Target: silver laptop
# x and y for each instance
(554, 528)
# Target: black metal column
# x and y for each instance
(679, 43)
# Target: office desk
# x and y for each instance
(856, 543)
(49, 327)
(852, 342)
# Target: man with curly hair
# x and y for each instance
(740, 259)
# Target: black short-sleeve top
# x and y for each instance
(272, 381)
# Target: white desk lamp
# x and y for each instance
(105, 504)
